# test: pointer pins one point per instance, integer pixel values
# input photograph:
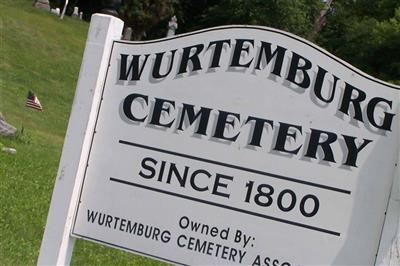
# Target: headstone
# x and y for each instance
(43, 4)
(127, 34)
(6, 129)
(80, 15)
(172, 26)
(9, 150)
(55, 11)
(76, 12)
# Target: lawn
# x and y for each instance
(38, 52)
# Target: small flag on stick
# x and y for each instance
(33, 102)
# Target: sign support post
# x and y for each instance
(57, 243)
(390, 240)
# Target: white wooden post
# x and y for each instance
(389, 248)
(64, 9)
(57, 244)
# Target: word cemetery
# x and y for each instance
(230, 145)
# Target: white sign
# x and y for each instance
(239, 145)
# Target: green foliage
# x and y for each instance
(387, 44)
(363, 32)
(366, 34)
(293, 16)
(143, 15)
(149, 18)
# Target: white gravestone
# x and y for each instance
(172, 26)
(55, 11)
(127, 34)
(75, 14)
(43, 4)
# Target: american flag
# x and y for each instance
(33, 102)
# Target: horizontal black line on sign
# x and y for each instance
(254, 171)
(322, 230)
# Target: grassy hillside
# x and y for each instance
(38, 52)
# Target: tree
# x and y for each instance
(366, 34)
(362, 32)
(143, 15)
(320, 20)
(294, 16)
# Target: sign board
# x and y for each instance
(239, 145)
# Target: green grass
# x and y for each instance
(39, 52)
